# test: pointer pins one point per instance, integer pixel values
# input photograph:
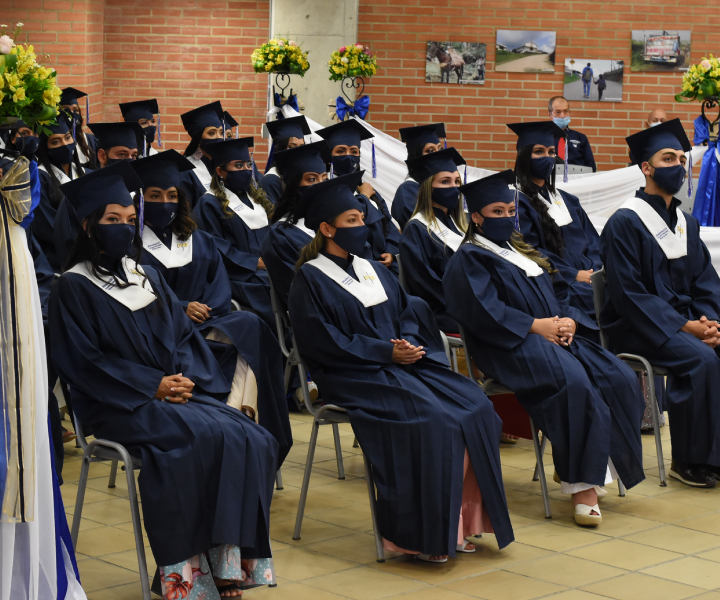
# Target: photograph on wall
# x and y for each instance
(455, 62)
(660, 50)
(593, 79)
(525, 51)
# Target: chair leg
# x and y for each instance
(453, 353)
(137, 529)
(113, 474)
(338, 451)
(541, 470)
(355, 443)
(373, 509)
(82, 484)
(536, 475)
(278, 480)
(655, 411)
(306, 479)
(621, 489)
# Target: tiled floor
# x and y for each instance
(659, 543)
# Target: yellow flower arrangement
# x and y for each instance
(701, 81)
(280, 55)
(354, 60)
(27, 89)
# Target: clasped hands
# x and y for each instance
(404, 353)
(557, 330)
(707, 331)
(175, 389)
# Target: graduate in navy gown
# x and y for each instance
(419, 140)
(414, 418)
(663, 300)
(86, 143)
(551, 220)
(300, 167)
(235, 212)
(204, 125)
(285, 134)
(344, 140)
(190, 263)
(435, 231)
(140, 374)
(58, 163)
(522, 332)
(115, 142)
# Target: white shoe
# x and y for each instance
(584, 518)
(426, 558)
(463, 548)
(312, 388)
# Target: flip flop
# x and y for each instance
(426, 558)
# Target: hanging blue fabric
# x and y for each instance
(291, 101)
(359, 108)
(707, 195)
(690, 175)
(702, 131)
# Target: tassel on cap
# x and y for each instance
(142, 212)
(445, 143)
(465, 175)
(74, 129)
(374, 164)
(237, 133)
(252, 160)
(690, 181)
(517, 206)
(159, 131)
(87, 109)
(332, 171)
(145, 148)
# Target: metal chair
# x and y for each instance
(330, 414)
(452, 342)
(103, 450)
(636, 363)
(492, 388)
(282, 324)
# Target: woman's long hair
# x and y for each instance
(87, 247)
(256, 194)
(425, 207)
(279, 146)
(43, 159)
(288, 201)
(415, 150)
(83, 145)
(183, 224)
(313, 249)
(518, 243)
(194, 143)
(550, 229)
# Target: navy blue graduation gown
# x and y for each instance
(582, 247)
(583, 398)
(649, 299)
(240, 248)
(405, 201)
(43, 223)
(191, 187)
(384, 236)
(67, 226)
(207, 470)
(412, 421)
(272, 186)
(280, 252)
(44, 273)
(424, 257)
(205, 280)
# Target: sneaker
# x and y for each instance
(312, 388)
(693, 475)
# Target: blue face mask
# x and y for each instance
(561, 122)
(352, 239)
(27, 145)
(61, 155)
(447, 197)
(238, 181)
(116, 240)
(541, 168)
(344, 165)
(498, 229)
(112, 161)
(149, 133)
(670, 179)
(160, 214)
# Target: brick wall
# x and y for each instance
(476, 115)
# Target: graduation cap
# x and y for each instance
(19, 124)
(422, 134)
(427, 165)
(326, 200)
(161, 170)
(499, 187)
(296, 127)
(62, 124)
(224, 151)
(647, 142)
(308, 158)
(345, 133)
(196, 120)
(69, 96)
(140, 109)
(229, 121)
(110, 135)
(111, 185)
(536, 132)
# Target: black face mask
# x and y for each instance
(670, 179)
(149, 133)
(238, 181)
(352, 239)
(541, 168)
(344, 165)
(112, 161)
(116, 239)
(160, 214)
(205, 143)
(61, 155)
(27, 145)
(77, 117)
(447, 197)
(498, 229)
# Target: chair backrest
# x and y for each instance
(401, 274)
(599, 281)
(282, 320)
(80, 433)
(468, 358)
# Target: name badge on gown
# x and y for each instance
(368, 288)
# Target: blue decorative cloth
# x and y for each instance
(707, 200)
(702, 131)
(359, 108)
(291, 101)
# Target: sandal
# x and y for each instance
(464, 548)
(584, 518)
(229, 588)
(426, 558)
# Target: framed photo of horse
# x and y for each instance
(455, 62)
(525, 51)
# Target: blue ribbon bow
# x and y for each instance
(359, 108)
(291, 102)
